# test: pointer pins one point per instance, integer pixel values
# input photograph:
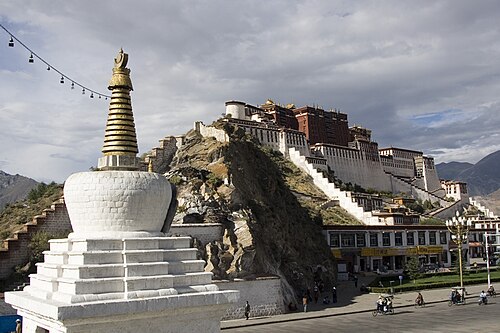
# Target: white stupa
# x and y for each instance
(117, 272)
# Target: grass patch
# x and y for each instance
(434, 280)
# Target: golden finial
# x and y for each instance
(120, 142)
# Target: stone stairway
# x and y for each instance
(418, 190)
(14, 250)
(344, 198)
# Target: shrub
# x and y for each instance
(175, 179)
(42, 190)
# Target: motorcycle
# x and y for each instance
(482, 301)
(386, 310)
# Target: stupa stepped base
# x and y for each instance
(95, 285)
(186, 313)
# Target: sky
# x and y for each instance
(422, 75)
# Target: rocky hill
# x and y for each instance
(266, 205)
(482, 178)
(16, 214)
(14, 187)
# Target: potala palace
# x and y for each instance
(322, 142)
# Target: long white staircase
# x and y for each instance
(334, 193)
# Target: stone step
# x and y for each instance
(116, 257)
(114, 285)
(192, 279)
(118, 284)
(185, 266)
(118, 270)
(147, 243)
(85, 298)
(197, 289)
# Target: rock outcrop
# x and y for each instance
(267, 230)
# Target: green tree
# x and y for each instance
(416, 207)
(42, 190)
(412, 266)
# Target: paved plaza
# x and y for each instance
(353, 312)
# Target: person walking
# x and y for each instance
(19, 326)
(355, 281)
(247, 310)
(316, 293)
(305, 300)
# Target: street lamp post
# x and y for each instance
(487, 257)
(486, 235)
(459, 226)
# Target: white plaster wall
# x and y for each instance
(205, 232)
(352, 166)
(333, 192)
(263, 294)
(209, 131)
(236, 110)
(432, 182)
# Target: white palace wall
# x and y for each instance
(209, 131)
(351, 165)
(263, 294)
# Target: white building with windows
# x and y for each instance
(362, 248)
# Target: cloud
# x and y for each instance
(421, 75)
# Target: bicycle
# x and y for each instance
(420, 304)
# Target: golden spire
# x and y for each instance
(120, 142)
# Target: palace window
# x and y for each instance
(421, 238)
(386, 239)
(360, 240)
(398, 239)
(432, 238)
(334, 240)
(442, 237)
(347, 240)
(410, 238)
(373, 239)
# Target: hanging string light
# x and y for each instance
(31, 60)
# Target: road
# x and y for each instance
(437, 317)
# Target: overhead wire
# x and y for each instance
(64, 77)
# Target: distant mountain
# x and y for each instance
(452, 169)
(14, 187)
(482, 178)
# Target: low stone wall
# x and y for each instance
(204, 232)
(264, 295)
